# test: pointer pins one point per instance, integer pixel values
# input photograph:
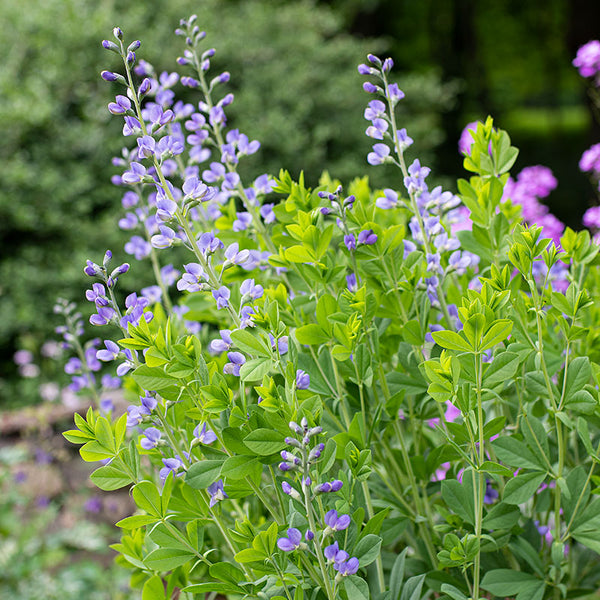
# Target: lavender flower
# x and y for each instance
(172, 465)
(292, 542)
(236, 360)
(302, 380)
(151, 439)
(335, 523)
(224, 343)
(222, 297)
(217, 493)
(204, 435)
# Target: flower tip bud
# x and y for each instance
(108, 76)
(373, 59)
(118, 33)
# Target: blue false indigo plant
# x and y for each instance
(350, 393)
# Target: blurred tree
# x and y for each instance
(297, 90)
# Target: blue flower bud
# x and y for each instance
(118, 33)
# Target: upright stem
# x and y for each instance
(480, 485)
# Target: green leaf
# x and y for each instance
(264, 442)
(459, 497)
(501, 516)
(579, 373)
(451, 341)
(497, 333)
(201, 474)
(299, 254)
(136, 521)
(153, 589)
(248, 555)
(473, 329)
(250, 344)
(522, 487)
(212, 586)
(494, 468)
(93, 451)
(506, 582)
(312, 335)
(166, 559)
(146, 497)
(153, 378)
(412, 588)
(397, 575)
(255, 369)
(239, 467)
(502, 369)
(110, 477)
(367, 549)
(356, 588)
(515, 453)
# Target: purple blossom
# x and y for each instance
(395, 94)
(591, 217)
(379, 155)
(329, 486)
(347, 567)
(367, 237)
(350, 242)
(164, 239)
(351, 282)
(292, 542)
(588, 59)
(236, 256)
(191, 279)
(246, 316)
(104, 316)
(169, 275)
(138, 247)
(136, 173)
(336, 523)
(236, 360)
(248, 289)
(224, 343)
(389, 200)
(302, 380)
(267, 213)
(466, 138)
(590, 160)
(111, 352)
(151, 439)
(217, 493)
(243, 221)
(204, 435)
(172, 465)
(135, 306)
(222, 297)
(121, 105)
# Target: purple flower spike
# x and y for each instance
(291, 542)
(217, 493)
(337, 523)
(302, 380)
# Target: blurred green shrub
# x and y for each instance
(297, 90)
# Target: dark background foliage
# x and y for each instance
(293, 68)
